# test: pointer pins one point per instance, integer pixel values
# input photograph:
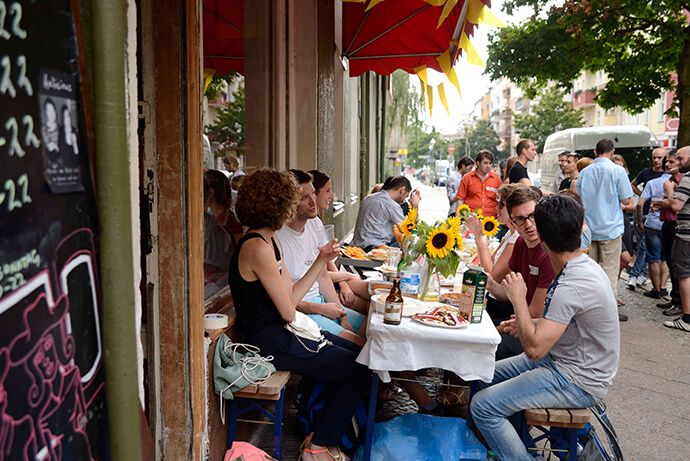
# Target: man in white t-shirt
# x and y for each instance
(299, 241)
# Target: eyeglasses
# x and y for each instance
(521, 220)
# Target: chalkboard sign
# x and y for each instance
(52, 396)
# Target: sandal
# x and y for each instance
(449, 398)
(337, 457)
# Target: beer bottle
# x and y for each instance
(392, 313)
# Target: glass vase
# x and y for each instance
(430, 284)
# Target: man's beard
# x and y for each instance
(683, 169)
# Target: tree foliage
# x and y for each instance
(550, 114)
(479, 137)
(639, 44)
(228, 129)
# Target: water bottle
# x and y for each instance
(411, 278)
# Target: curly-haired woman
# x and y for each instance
(265, 302)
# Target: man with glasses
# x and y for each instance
(529, 259)
(606, 193)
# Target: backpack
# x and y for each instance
(310, 402)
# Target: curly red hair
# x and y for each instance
(267, 198)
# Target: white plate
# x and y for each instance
(463, 324)
(411, 306)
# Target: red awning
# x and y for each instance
(399, 34)
(223, 40)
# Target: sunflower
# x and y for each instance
(454, 225)
(490, 226)
(409, 223)
(479, 213)
(440, 242)
(463, 211)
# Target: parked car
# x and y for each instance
(634, 143)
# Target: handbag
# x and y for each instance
(234, 370)
(304, 327)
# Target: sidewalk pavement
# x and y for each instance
(649, 403)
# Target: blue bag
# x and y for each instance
(416, 437)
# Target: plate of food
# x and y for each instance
(441, 317)
(386, 269)
(354, 252)
(378, 254)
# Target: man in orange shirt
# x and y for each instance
(479, 187)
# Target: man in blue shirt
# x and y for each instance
(650, 227)
(606, 192)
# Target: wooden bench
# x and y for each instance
(568, 419)
(254, 396)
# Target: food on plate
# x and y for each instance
(442, 316)
(379, 284)
(354, 252)
(462, 302)
(379, 254)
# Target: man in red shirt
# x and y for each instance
(529, 259)
(478, 188)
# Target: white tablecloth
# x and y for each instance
(468, 352)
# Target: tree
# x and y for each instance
(638, 43)
(228, 129)
(478, 137)
(550, 114)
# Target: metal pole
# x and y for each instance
(115, 218)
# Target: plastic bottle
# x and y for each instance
(411, 278)
(409, 269)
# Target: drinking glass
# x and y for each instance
(329, 232)
(393, 255)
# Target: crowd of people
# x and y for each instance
(552, 291)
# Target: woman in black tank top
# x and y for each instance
(266, 299)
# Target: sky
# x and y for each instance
(473, 83)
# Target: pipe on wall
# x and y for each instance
(114, 201)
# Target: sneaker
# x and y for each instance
(678, 324)
(632, 281)
(652, 294)
(673, 311)
(665, 305)
(642, 281)
(622, 317)
(663, 292)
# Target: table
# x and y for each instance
(468, 352)
(356, 266)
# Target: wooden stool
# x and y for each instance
(570, 419)
(254, 397)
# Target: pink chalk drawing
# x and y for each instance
(50, 388)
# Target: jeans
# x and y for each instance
(518, 384)
(668, 235)
(640, 264)
(652, 239)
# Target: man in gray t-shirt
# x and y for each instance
(378, 213)
(571, 353)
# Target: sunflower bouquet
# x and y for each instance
(490, 225)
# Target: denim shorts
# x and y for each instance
(333, 326)
(653, 245)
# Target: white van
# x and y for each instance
(633, 142)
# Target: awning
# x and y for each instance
(223, 40)
(400, 34)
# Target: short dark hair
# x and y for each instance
(603, 147)
(465, 161)
(559, 222)
(302, 177)
(564, 153)
(522, 194)
(217, 182)
(396, 183)
(522, 145)
(482, 154)
(319, 179)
